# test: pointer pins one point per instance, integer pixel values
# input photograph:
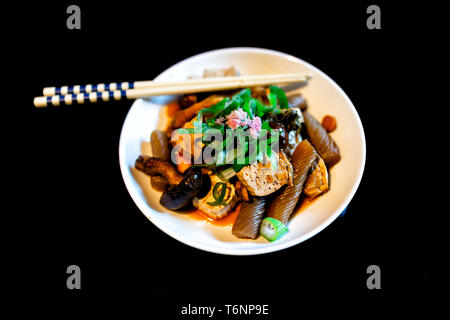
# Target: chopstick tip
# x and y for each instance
(40, 102)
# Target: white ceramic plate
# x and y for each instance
(323, 95)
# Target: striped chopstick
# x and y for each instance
(65, 90)
(76, 89)
(142, 89)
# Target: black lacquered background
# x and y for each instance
(78, 211)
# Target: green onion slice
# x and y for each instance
(272, 229)
(218, 196)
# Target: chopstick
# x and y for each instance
(76, 89)
(142, 89)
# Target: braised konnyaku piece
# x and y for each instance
(297, 101)
(160, 149)
(321, 140)
(160, 145)
(249, 219)
(283, 205)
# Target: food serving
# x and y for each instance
(255, 151)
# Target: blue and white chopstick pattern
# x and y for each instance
(79, 98)
(66, 90)
(56, 96)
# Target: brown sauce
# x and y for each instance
(306, 202)
(226, 221)
(231, 218)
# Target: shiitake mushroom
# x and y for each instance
(155, 166)
(181, 195)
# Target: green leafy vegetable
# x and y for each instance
(244, 93)
(213, 109)
(224, 151)
(281, 96)
(272, 99)
(262, 110)
(249, 106)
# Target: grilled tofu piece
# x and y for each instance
(317, 182)
(260, 179)
(218, 211)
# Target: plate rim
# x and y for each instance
(254, 251)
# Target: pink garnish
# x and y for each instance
(255, 127)
(237, 118)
